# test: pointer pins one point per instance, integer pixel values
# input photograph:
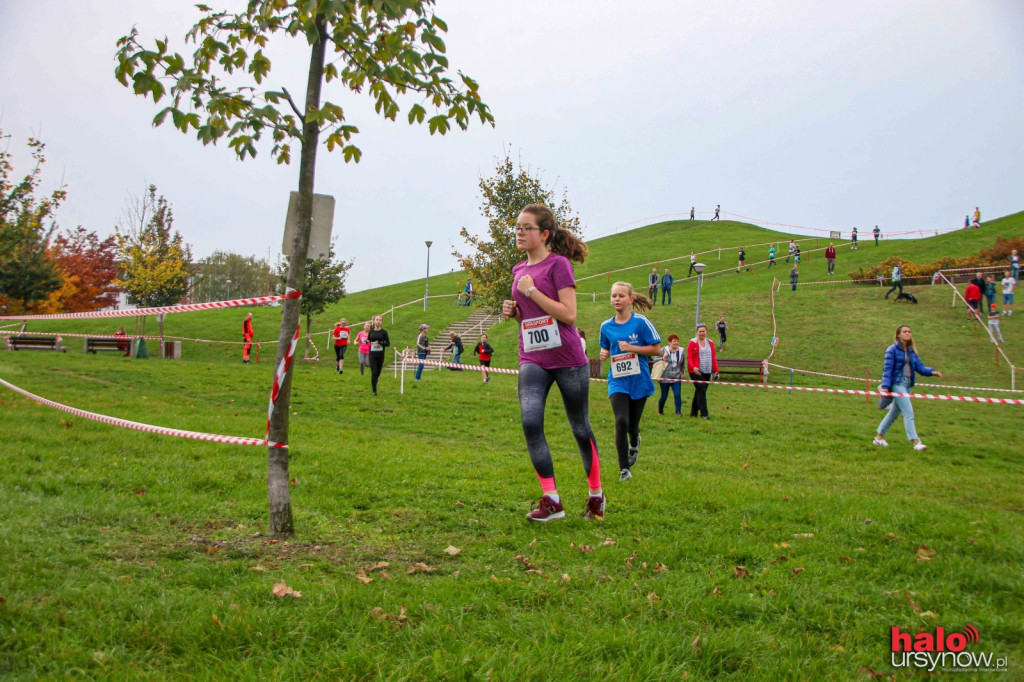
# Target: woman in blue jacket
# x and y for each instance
(901, 362)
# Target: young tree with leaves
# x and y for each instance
(155, 263)
(503, 196)
(324, 284)
(389, 48)
(28, 273)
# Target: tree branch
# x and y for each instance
(292, 103)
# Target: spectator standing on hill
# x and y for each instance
(544, 303)
(422, 348)
(793, 276)
(484, 351)
(771, 256)
(468, 292)
(722, 327)
(379, 341)
(877, 233)
(898, 370)
(990, 292)
(993, 324)
(693, 264)
(625, 337)
(967, 222)
(897, 279)
(652, 286)
(1009, 283)
(692, 213)
(977, 217)
(979, 281)
(1015, 265)
(717, 209)
(340, 335)
(363, 346)
(675, 359)
(973, 297)
(247, 337)
(666, 286)
(853, 239)
(792, 250)
(702, 366)
(830, 258)
(455, 345)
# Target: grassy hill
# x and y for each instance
(790, 545)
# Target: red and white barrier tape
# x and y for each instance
(282, 369)
(183, 308)
(812, 389)
(124, 423)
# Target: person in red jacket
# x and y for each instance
(830, 258)
(340, 335)
(247, 337)
(973, 296)
(702, 365)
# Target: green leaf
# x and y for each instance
(417, 114)
(159, 118)
(352, 153)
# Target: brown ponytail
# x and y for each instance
(560, 241)
(640, 301)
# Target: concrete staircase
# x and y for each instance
(469, 330)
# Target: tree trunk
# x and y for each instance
(279, 495)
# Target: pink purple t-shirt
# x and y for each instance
(550, 275)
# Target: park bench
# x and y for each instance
(741, 366)
(93, 345)
(36, 343)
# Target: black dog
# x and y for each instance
(907, 296)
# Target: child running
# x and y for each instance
(379, 340)
(544, 303)
(624, 338)
(484, 350)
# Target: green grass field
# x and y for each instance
(771, 542)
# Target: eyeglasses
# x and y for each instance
(523, 229)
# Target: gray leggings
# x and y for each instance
(574, 384)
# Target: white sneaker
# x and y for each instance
(920, 447)
(880, 442)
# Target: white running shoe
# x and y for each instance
(880, 442)
(920, 447)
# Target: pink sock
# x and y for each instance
(547, 485)
(594, 479)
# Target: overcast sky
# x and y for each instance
(824, 115)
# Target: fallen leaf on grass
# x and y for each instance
(717, 592)
(535, 571)
(378, 566)
(803, 535)
(695, 643)
(363, 578)
(456, 574)
(141, 491)
(212, 549)
(459, 504)
(927, 614)
(890, 536)
(216, 621)
(779, 559)
(745, 465)
(868, 521)
(740, 571)
(661, 567)
(838, 648)
(924, 553)
(524, 560)
(565, 578)
(586, 548)
(609, 543)
(796, 571)
(419, 567)
(654, 598)
(532, 542)
(846, 559)
(258, 569)
(914, 606)
(282, 590)
(452, 551)
(305, 565)
(294, 481)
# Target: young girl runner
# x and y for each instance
(544, 303)
(340, 337)
(624, 338)
(484, 350)
(379, 341)
(363, 340)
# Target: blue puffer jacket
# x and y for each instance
(895, 359)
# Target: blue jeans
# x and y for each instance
(900, 405)
(419, 368)
(664, 291)
(456, 360)
(677, 393)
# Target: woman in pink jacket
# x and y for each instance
(702, 365)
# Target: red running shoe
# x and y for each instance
(595, 508)
(545, 509)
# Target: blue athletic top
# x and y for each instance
(637, 331)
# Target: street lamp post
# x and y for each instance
(699, 267)
(427, 295)
(229, 289)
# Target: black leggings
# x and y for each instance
(376, 365)
(627, 421)
(700, 395)
(574, 384)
